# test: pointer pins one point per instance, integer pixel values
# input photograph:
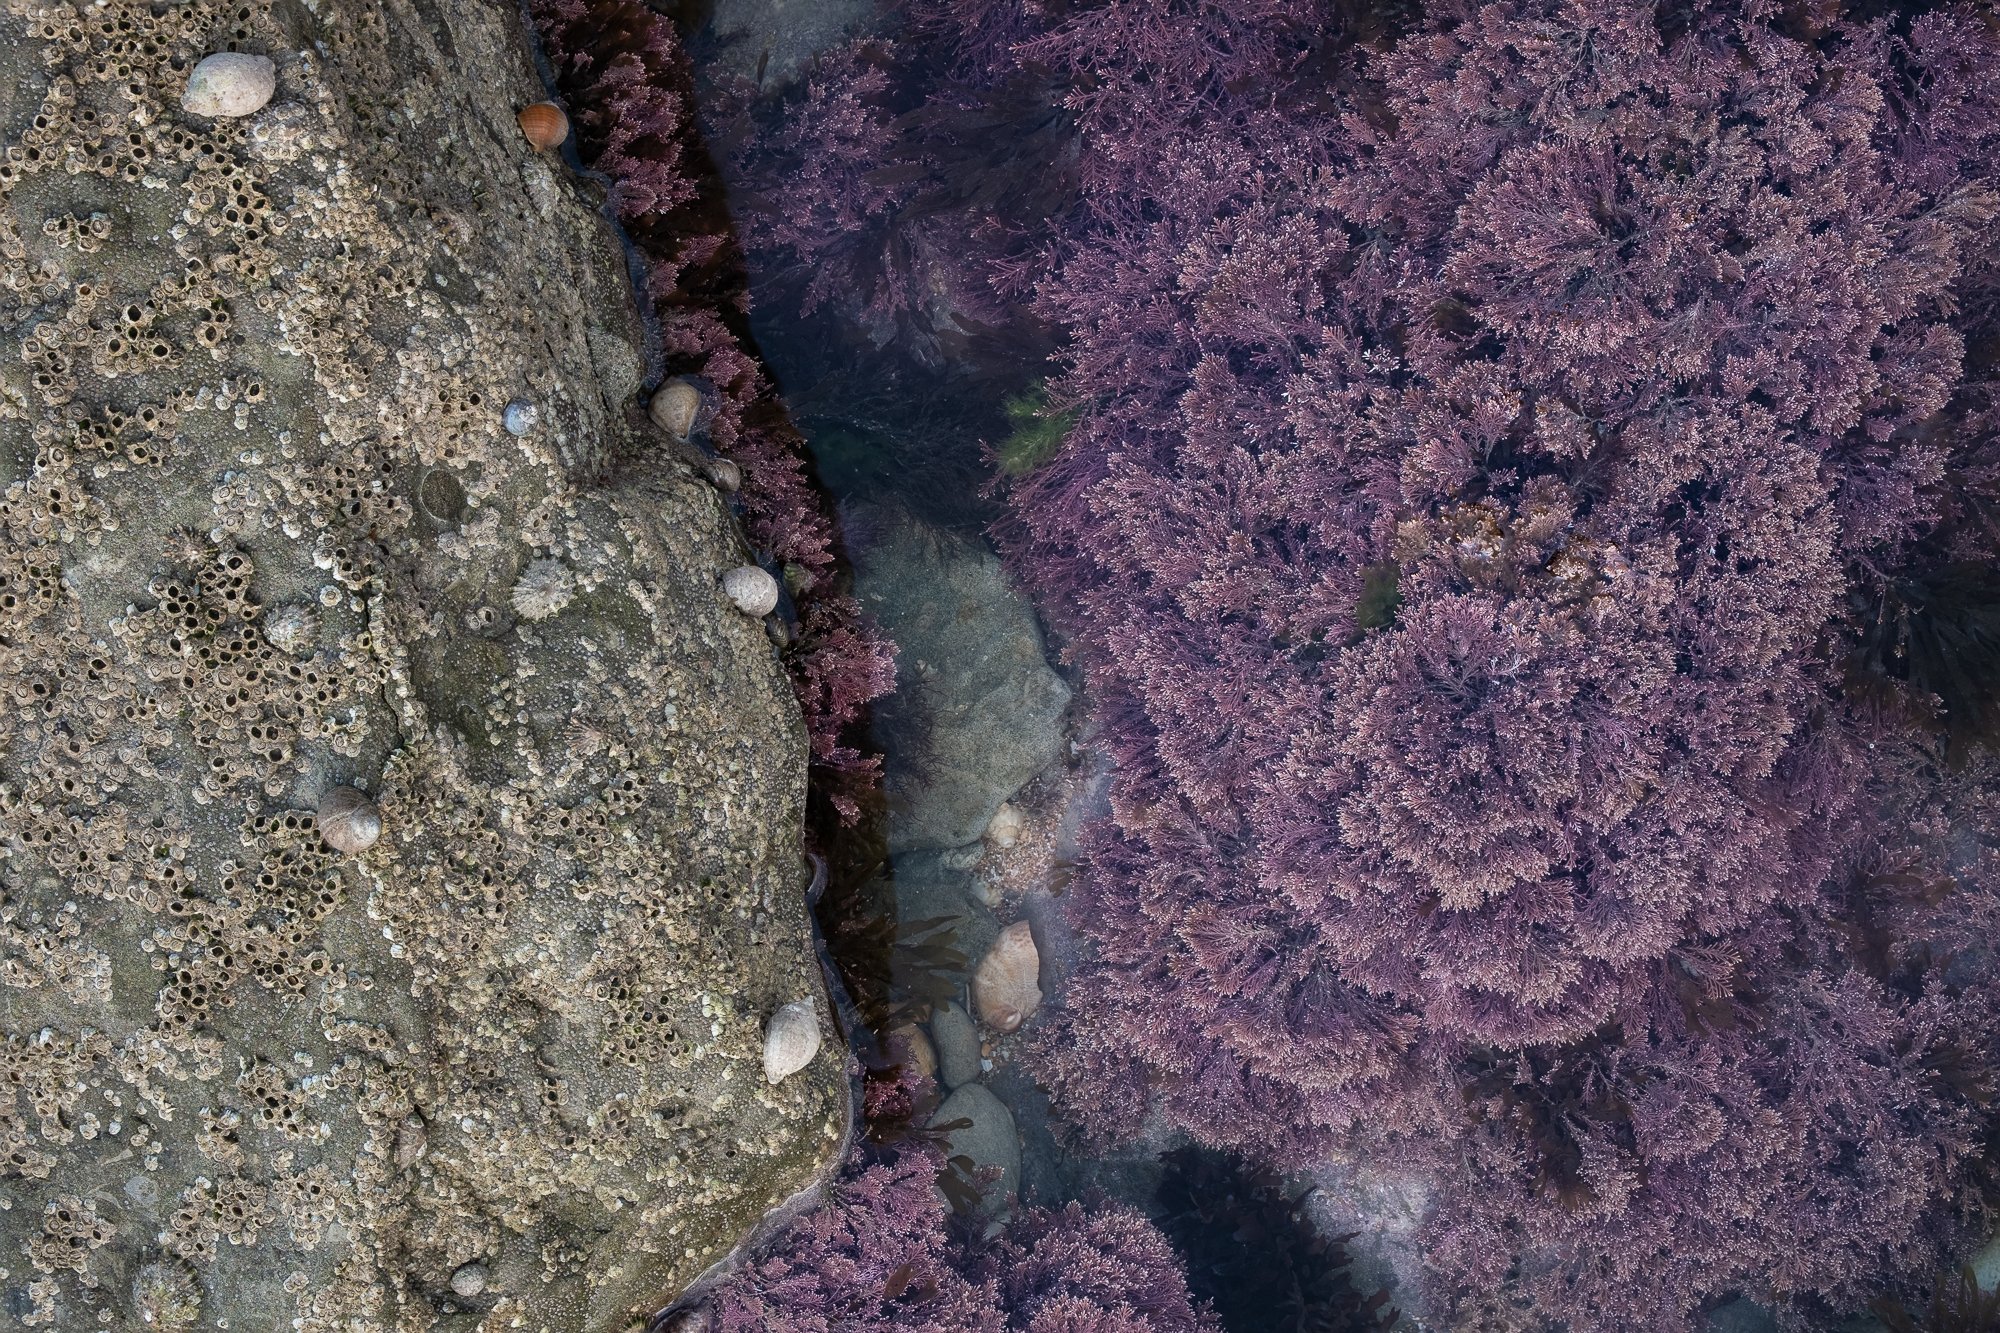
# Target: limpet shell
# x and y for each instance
(230, 84)
(725, 476)
(674, 408)
(753, 590)
(1006, 988)
(166, 1295)
(791, 1040)
(291, 629)
(544, 125)
(520, 417)
(348, 820)
(544, 588)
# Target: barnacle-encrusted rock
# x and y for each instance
(752, 590)
(247, 1081)
(230, 83)
(544, 588)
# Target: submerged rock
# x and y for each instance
(977, 711)
(258, 1083)
(957, 1045)
(989, 1139)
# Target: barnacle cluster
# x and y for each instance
(519, 1034)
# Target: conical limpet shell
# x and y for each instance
(1007, 987)
(544, 588)
(543, 125)
(791, 1040)
(229, 84)
(753, 590)
(348, 820)
(725, 476)
(674, 407)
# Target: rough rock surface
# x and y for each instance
(260, 522)
(977, 711)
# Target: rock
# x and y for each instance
(977, 711)
(957, 1045)
(281, 1084)
(230, 84)
(962, 859)
(989, 1140)
(773, 40)
(1986, 1265)
(909, 1045)
(1006, 988)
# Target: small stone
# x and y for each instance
(469, 1280)
(753, 590)
(990, 1140)
(229, 84)
(908, 1045)
(957, 1045)
(1006, 989)
(1004, 829)
(520, 417)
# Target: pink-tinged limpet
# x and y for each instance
(544, 125)
(1006, 989)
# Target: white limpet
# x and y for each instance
(753, 590)
(791, 1040)
(229, 84)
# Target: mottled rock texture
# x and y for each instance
(977, 712)
(260, 528)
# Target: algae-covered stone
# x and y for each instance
(248, 1080)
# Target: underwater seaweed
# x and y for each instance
(1958, 1305)
(1254, 1256)
(1543, 843)
(898, 1246)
